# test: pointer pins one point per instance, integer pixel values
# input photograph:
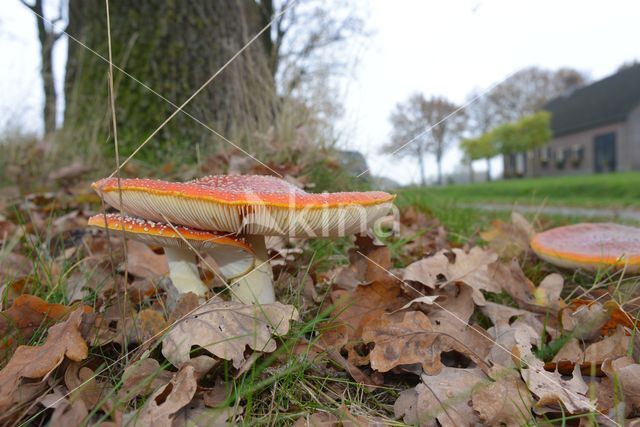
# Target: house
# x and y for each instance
(596, 129)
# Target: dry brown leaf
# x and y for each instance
(35, 362)
(507, 401)
(509, 240)
(142, 378)
(225, 329)
(470, 268)
(571, 352)
(151, 323)
(584, 321)
(501, 315)
(26, 315)
(196, 414)
(341, 418)
(445, 397)
(625, 372)
(513, 342)
(69, 413)
(352, 310)
(143, 262)
(14, 267)
(426, 300)
(162, 406)
(547, 294)
(407, 338)
(551, 389)
(83, 385)
(612, 347)
(456, 308)
(511, 279)
(368, 262)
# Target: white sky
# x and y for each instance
(439, 47)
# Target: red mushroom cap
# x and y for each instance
(254, 204)
(590, 246)
(162, 234)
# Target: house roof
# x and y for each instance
(604, 102)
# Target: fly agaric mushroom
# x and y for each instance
(253, 206)
(233, 255)
(590, 246)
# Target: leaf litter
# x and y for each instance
(442, 334)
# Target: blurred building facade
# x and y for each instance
(596, 129)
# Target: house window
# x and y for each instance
(561, 157)
(577, 155)
(545, 156)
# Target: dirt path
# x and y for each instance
(610, 213)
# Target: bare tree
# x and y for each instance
(309, 39)
(47, 35)
(528, 90)
(422, 126)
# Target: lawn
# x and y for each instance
(610, 190)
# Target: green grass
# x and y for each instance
(606, 190)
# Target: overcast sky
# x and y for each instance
(446, 48)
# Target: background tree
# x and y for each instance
(173, 47)
(430, 124)
(482, 147)
(47, 36)
(528, 90)
(528, 133)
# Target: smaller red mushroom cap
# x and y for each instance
(233, 255)
(590, 246)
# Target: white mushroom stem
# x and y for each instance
(256, 287)
(183, 270)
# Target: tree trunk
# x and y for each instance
(173, 47)
(423, 178)
(47, 40)
(439, 162)
(488, 169)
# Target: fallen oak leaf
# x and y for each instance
(552, 389)
(444, 397)
(507, 401)
(143, 262)
(547, 294)
(225, 328)
(470, 268)
(164, 403)
(509, 240)
(34, 362)
(27, 314)
(511, 279)
(611, 347)
(196, 414)
(625, 372)
(408, 338)
(352, 310)
(142, 378)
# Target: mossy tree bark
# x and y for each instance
(172, 46)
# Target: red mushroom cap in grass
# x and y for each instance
(254, 204)
(590, 246)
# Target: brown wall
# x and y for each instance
(633, 139)
(585, 140)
